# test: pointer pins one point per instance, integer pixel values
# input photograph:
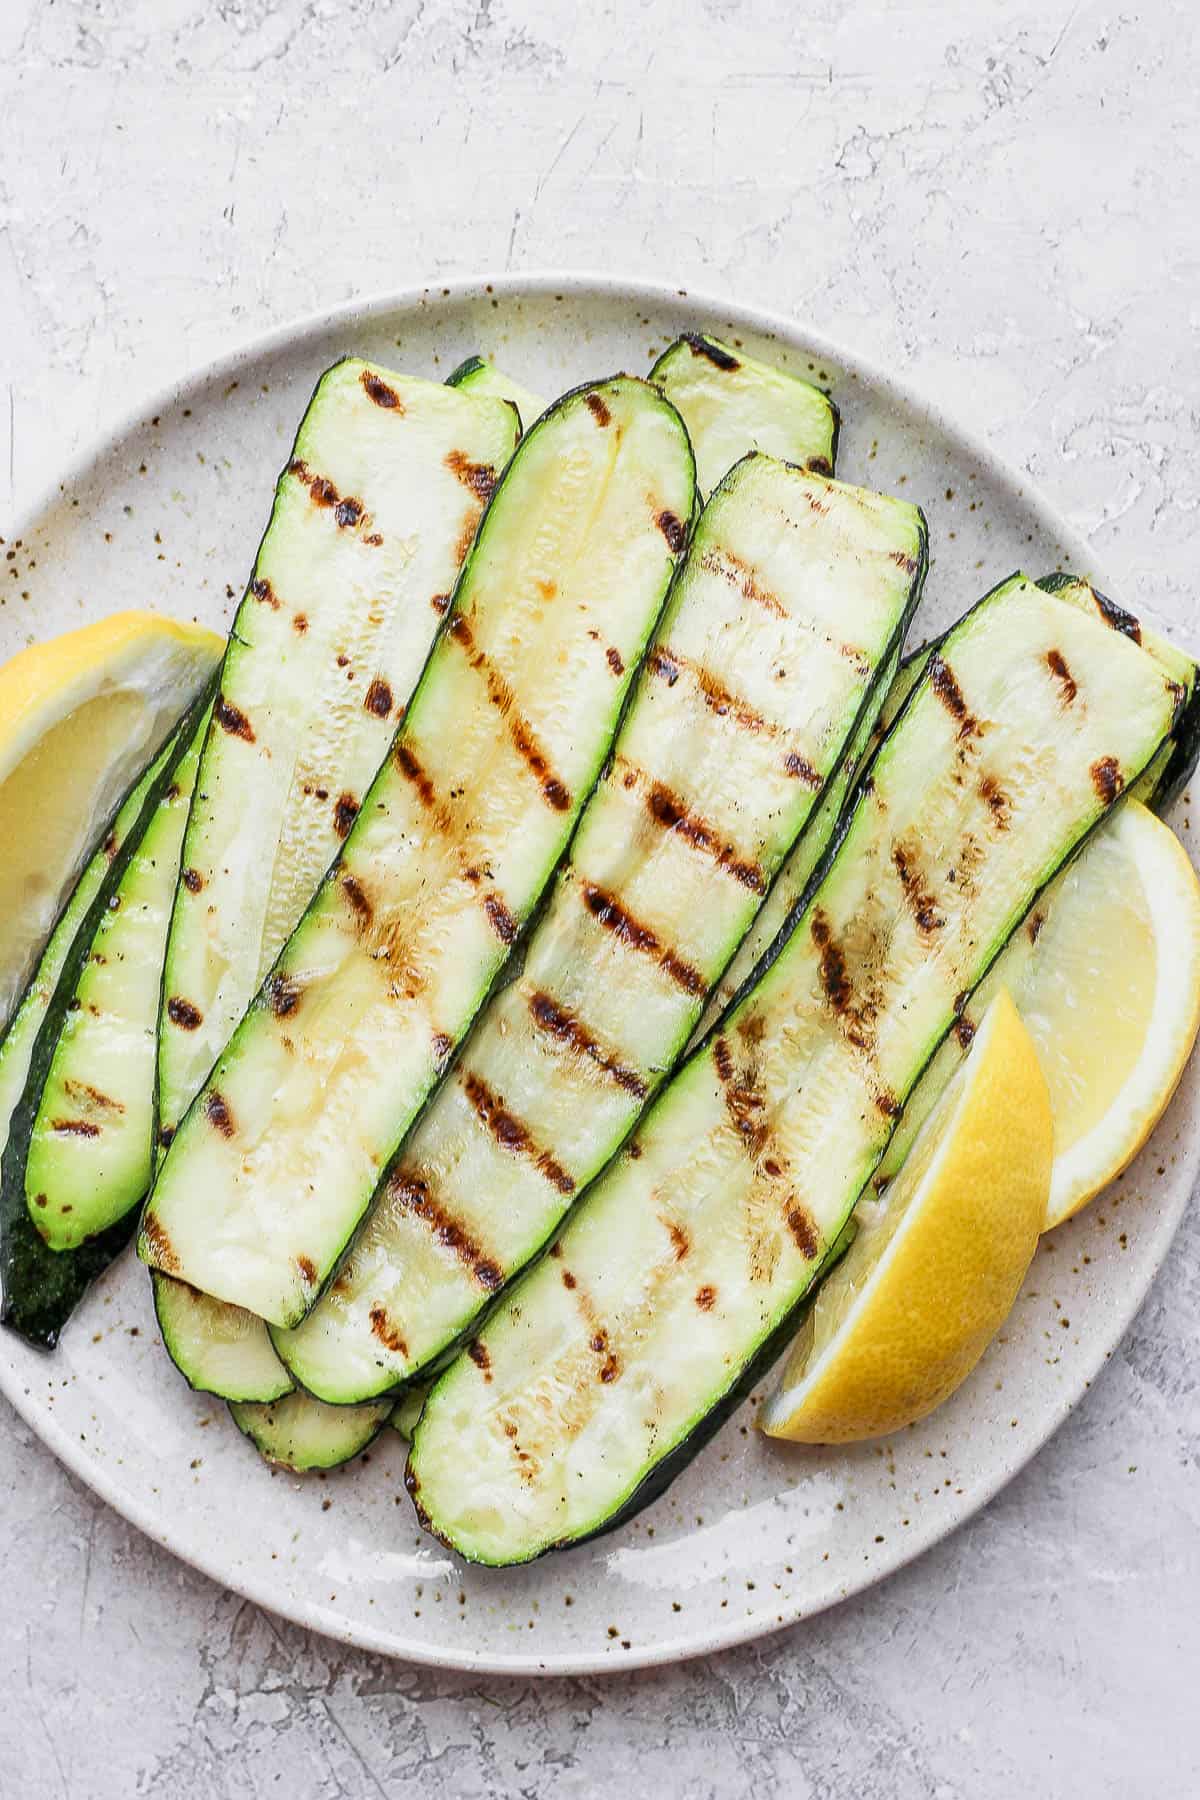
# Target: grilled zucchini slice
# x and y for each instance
(770, 657)
(606, 1367)
(277, 1159)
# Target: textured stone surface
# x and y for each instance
(999, 202)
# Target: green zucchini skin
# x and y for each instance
(217, 1348)
(300, 1434)
(682, 838)
(42, 1287)
(625, 496)
(730, 402)
(91, 1152)
(597, 1376)
(478, 376)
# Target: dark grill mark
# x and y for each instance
(904, 561)
(613, 657)
(380, 392)
(408, 765)
(553, 1018)
(91, 1096)
(918, 896)
(740, 576)
(681, 1243)
(609, 913)
(568, 1280)
(997, 801)
(383, 1328)
(944, 683)
(346, 509)
(598, 409)
(216, 1111)
(478, 1353)
(75, 1128)
(262, 590)
(481, 478)
(110, 843)
(887, 1103)
(183, 1013)
(521, 732)
(744, 1101)
(610, 1368)
(439, 602)
(964, 1031)
(378, 698)
(819, 465)
(1058, 666)
(802, 769)
(706, 1298)
(667, 810)
(712, 352)
(300, 623)
(503, 923)
(803, 1230)
(412, 1193)
(232, 719)
(673, 530)
(442, 1046)
(1034, 926)
(308, 1270)
(162, 1250)
(282, 994)
(192, 880)
(360, 905)
(834, 978)
(1117, 617)
(345, 811)
(1107, 778)
(669, 665)
(512, 1133)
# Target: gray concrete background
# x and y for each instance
(1000, 202)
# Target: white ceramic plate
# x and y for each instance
(166, 513)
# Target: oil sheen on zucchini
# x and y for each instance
(794, 598)
(373, 516)
(732, 403)
(605, 1368)
(41, 1286)
(91, 1155)
(277, 1159)
(1016, 968)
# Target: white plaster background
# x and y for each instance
(1000, 200)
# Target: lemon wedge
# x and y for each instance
(80, 715)
(936, 1262)
(1106, 975)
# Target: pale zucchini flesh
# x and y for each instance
(278, 1157)
(300, 1434)
(605, 1367)
(479, 376)
(732, 403)
(771, 655)
(91, 1155)
(373, 516)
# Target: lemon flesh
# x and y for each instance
(80, 716)
(1106, 976)
(936, 1262)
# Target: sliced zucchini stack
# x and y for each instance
(795, 595)
(91, 1153)
(732, 403)
(478, 376)
(611, 1362)
(43, 1281)
(278, 1157)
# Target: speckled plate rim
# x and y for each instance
(1105, 1332)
